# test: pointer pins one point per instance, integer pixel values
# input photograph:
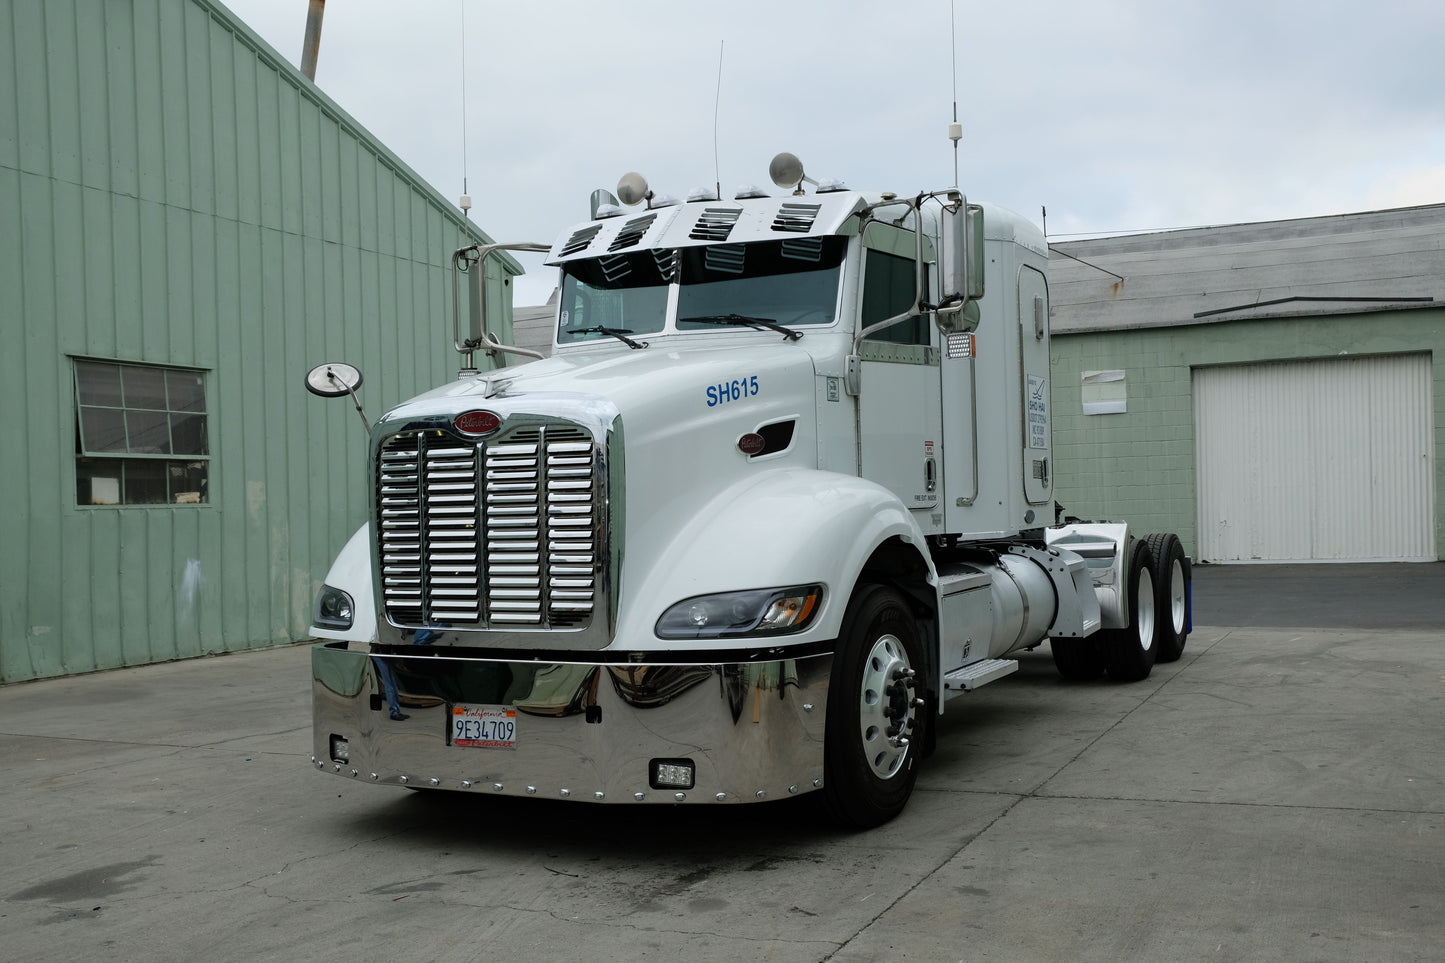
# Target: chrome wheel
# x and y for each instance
(885, 706)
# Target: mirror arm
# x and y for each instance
(359, 413)
(476, 255)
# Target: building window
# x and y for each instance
(140, 435)
(1105, 392)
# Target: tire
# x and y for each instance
(1171, 608)
(1129, 652)
(868, 774)
(1079, 660)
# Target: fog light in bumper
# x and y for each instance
(340, 748)
(671, 774)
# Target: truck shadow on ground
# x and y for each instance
(968, 736)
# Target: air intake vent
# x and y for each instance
(715, 224)
(632, 232)
(580, 240)
(797, 218)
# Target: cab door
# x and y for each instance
(1034, 380)
(900, 404)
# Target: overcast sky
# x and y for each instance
(1116, 115)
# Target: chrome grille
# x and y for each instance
(501, 534)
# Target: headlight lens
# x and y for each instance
(334, 609)
(758, 612)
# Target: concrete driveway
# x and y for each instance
(1277, 794)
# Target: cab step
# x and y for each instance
(978, 673)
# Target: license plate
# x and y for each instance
(483, 727)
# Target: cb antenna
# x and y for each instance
(466, 201)
(717, 100)
(955, 129)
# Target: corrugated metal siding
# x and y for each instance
(1247, 270)
(1318, 460)
(171, 192)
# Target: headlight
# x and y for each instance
(759, 612)
(334, 609)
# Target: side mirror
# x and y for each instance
(334, 379)
(471, 260)
(962, 253)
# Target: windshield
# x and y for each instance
(790, 282)
(621, 292)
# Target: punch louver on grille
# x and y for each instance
(631, 232)
(797, 218)
(501, 534)
(715, 223)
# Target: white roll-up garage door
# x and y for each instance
(1316, 460)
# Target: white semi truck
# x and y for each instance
(783, 489)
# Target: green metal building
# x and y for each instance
(187, 225)
(1270, 391)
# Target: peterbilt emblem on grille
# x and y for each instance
(477, 422)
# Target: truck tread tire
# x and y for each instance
(866, 779)
(1171, 610)
(1079, 660)
(1129, 652)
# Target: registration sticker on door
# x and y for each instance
(483, 727)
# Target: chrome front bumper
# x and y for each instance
(590, 732)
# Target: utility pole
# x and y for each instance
(312, 42)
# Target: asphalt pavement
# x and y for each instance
(1278, 793)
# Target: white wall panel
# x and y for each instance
(1316, 460)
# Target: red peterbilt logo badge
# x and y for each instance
(751, 443)
(477, 422)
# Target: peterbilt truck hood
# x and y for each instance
(671, 420)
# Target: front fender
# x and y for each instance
(351, 572)
(791, 526)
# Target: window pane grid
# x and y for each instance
(141, 435)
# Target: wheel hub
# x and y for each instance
(886, 706)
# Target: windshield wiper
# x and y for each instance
(747, 320)
(621, 334)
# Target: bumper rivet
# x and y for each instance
(639, 796)
(496, 787)
(793, 789)
(599, 794)
(721, 796)
(466, 784)
(435, 782)
(405, 780)
(354, 774)
(817, 783)
(680, 796)
(531, 790)
(761, 795)
(338, 767)
(375, 777)
(807, 707)
(565, 792)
